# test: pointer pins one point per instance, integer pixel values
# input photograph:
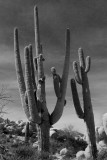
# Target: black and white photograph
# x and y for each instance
(53, 80)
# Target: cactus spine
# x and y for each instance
(86, 112)
(32, 93)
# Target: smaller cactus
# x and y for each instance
(27, 133)
(86, 112)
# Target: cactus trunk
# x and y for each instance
(88, 115)
(43, 137)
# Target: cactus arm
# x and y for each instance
(57, 113)
(76, 101)
(76, 73)
(56, 82)
(39, 61)
(18, 65)
(88, 64)
(66, 66)
(32, 67)
(57, 86)
(81, 58)
(19, 73)
(29, 89)
(37, 36)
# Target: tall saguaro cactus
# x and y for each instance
(86, 112)
(32, 87)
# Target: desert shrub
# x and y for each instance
(70, 153)
(28, 153)
(2, 139)
(69, 131)
(73, 139)
(55, 146)
(24, 152)
(102, 155)
(45, 156)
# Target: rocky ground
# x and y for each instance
(65, 144)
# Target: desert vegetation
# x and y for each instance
(36, 139)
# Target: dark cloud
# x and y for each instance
(88, 24)
(55, 16)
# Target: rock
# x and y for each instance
(15, 143)
(10, 128)
(22, 124)
(35, 145)
(53, 133)
(102, 144)
(88, 153)
(20, 138)
(63, 151)
(57, 157)
(24, 129)
(85, 138)
(19, 121)
(99, 148)
(80, 155)
(101, 133)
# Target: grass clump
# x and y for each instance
(102, 155)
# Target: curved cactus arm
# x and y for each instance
(56, 82)
(19, 73)
(57, 113)
(76, 73)
(18, 65)
(32, 67)
(66, 66)
(81, 58)
(37, 35)
(29, 89)
(88, 64)
(76, 101)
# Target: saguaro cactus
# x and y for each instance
(32, 89)
(86, 112)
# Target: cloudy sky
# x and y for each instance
(87, 21)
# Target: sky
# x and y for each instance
(87, 21)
